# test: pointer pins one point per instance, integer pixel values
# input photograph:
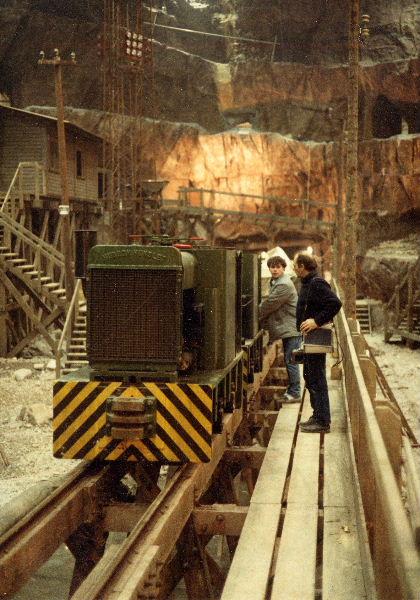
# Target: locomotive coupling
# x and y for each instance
(131, 418)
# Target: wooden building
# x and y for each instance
(29, 168)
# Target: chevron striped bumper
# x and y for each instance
(176, 427)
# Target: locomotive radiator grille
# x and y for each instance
(136, 316)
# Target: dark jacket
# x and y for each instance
(321, 303)
(277, 312)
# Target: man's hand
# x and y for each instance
(308, 326)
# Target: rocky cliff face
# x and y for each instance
(296, 87)
(267, 164)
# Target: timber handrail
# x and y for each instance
(389, 525)
(39, 245)
(70, 319)
(413, 488)
(275, 199)
(23, 165)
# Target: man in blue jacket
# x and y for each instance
(317, 305)
(278, 316)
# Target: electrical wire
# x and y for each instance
(219, 35)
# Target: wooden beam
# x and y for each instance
(264, 417)
(3, 320)
(219, 519)
(413, 489)
(248, 456)
(27, 309)
(52, 528)
(121, 516)
(28, 338)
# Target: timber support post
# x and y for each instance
(64, 208)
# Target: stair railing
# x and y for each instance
(44, 256)
(71, 318)
(38, 188)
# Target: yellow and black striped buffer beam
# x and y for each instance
(183, 422)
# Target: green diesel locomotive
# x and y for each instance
(172, 341)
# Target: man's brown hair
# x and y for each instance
(275, 261)
(307, 261)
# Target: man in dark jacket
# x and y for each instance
(317, 305)
(278, 316)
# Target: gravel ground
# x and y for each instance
(26, 447)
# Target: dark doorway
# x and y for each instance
(386, 118)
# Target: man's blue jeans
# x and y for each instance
(314, 373)
(289, 344)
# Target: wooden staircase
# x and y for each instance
(32, 274)
(402, 313)
(76, 356)
(363, 315)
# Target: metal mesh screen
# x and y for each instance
(134, 316)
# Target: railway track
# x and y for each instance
(88, 505)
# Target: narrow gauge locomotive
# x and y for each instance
(172, 341)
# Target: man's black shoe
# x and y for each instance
(309, 421)
(315, 427)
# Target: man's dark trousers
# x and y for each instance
(315, 376)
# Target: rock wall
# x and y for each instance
(250, 162)
(298, 90)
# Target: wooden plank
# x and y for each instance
(122, 516)
(247, 456)
(3, 320)
(272, 476)
(303, 489)
(248, 575)
(337, 407)
(294, 577)
(338, 478)
(413, 489)
(260, 528)
(342, 575)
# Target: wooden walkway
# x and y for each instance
(303, 537)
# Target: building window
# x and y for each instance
(80, 168)
(53, 162)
